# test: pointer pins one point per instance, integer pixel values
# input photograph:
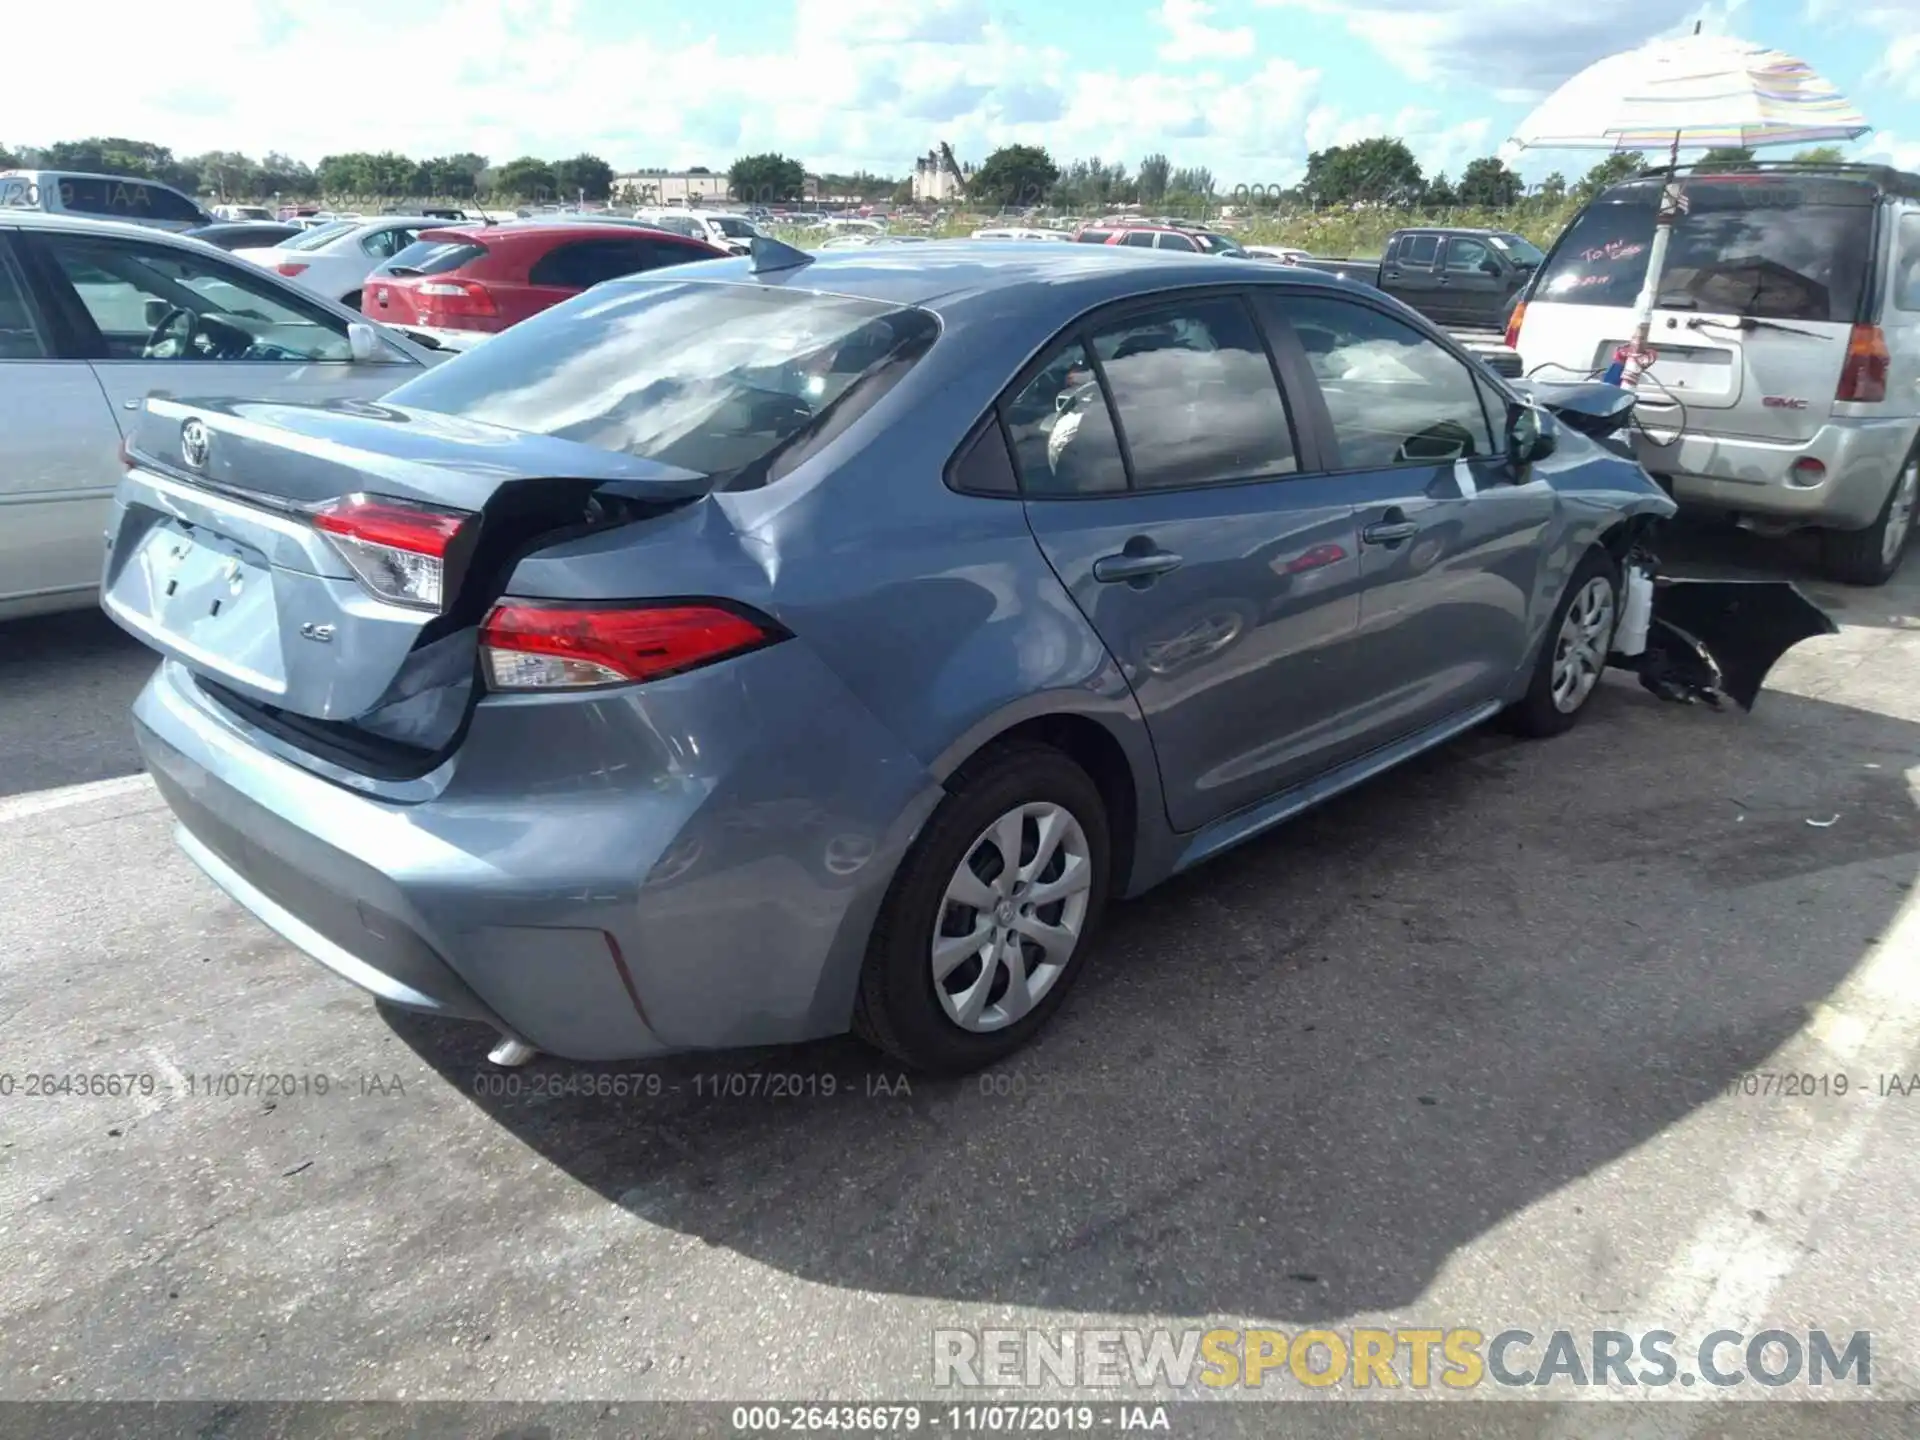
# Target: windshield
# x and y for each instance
(1518, 249)
(712, 378)
(320, 234)
(1779, 250)
(735, 229)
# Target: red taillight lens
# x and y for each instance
(398, 548)
(1518, 319)
(527, 645)
(455, 298)
(290, 267)
(1863, 378)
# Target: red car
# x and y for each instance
(486, 277)
(1160, 237)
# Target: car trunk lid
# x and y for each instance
(240, 549)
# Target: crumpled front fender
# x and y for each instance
(1709, 640)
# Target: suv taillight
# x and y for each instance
(1863, 378)
(1514, 323)
(455, 298)
(399, 549)
(539, 645)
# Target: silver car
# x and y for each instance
(94, 316)
(1785, 389)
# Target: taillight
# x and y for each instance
(1514, 323)
(400, 549)
(455, 297)
(529, 645)
(290, 267)
(1863, 378)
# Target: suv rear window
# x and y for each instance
(721, 379)
(1772, 247)
(433, 257)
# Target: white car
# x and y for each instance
(716, 227)
(1019, 232)
(853, 241)
(237, 213)
(334, 260)
(1285, 254)
(94, 316)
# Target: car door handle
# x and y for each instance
(1390, 532)
(1134, 565)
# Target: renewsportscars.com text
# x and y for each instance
(1457, 1359)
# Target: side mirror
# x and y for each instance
(365, 344)
(1530, 434)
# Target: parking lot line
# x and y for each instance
(38, 802)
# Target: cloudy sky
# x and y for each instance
(1247, 87)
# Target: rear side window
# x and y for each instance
(1419, 249)
(585, 263)
(1196, 396)
(1779, 248)
(1138, 237)
(1063, 436)
(124, 199)
(385, 244)
(720, 379)
(433, 257)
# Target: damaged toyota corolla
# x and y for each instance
(785, 645)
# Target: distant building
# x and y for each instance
(934, 180)
(683, 187)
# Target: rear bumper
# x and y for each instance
(1755, 477)
(580, 875)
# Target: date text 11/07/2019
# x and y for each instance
(195, 1085)
(1804, 1084)
(1009, 1419)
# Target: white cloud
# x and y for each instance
(1191, 34)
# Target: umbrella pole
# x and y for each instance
(1639, 354)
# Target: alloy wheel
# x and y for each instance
(1580, 650)
(1893, 538)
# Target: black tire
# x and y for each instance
(1536, 714)
(1859, 557)
(897, 1009)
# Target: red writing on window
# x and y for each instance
(1613, 250)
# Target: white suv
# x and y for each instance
(1786, 385)
(100, 197)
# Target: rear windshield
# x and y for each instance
(1772, 248)
(433, 257)
(320, 235)
(721, 379)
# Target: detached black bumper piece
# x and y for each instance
(1710, 640)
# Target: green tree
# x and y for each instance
(767, 177)
(1156, 174)
(1723, 160)
(1821, 155)
(116, 155)
(1621, 165)
(1489, 183)
(1014, 175)
(1196, 180)
(527, 178)
(283, 175)
(584, 174)
(1440, 192)
(228, 173)
(1553, 189)
(1380, 169)
(8, 159)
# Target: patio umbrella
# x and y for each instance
(1694, 92)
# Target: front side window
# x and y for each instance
(719, 379)
(1170, 241)
(1142, 238)
(1196, 396)
(153, 303)
(1467, 256)
(19, 336)
(1395, 397)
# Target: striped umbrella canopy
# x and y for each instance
(1693, 92)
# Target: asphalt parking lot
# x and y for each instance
(1453, 1050)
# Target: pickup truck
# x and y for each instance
(1462, 279)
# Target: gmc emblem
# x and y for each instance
(1783, 402)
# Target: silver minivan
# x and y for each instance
(1785, 390)
(100, 197)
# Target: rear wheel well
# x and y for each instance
(1091, 746)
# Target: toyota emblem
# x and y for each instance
(195, 442)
